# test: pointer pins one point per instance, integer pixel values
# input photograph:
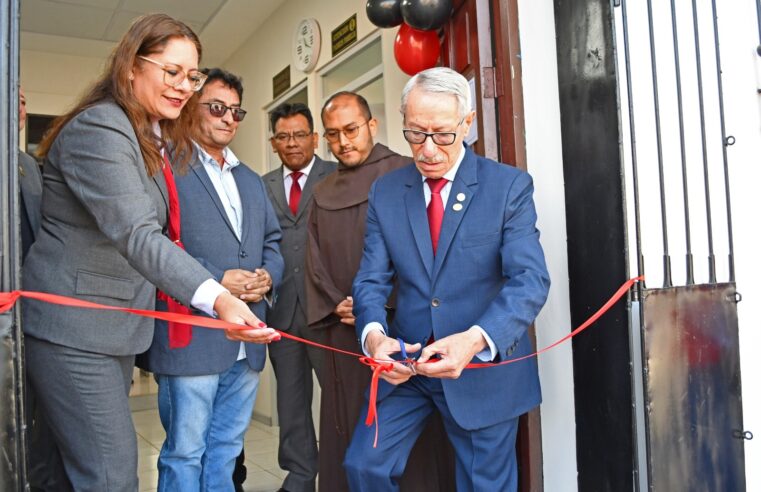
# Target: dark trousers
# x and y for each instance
(293, 363)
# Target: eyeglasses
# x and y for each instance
(218, 110)
(299, 137)
(174, 75)
(439, 138)
(349, 132)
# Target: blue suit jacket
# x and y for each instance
(208, 236)
(489, 270)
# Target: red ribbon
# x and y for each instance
(8, 299)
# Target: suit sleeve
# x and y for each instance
(100, 162)
(374, 280)
(527, 282)
(272, 260)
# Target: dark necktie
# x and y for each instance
(435, 209)
(180, 334)
(295, 196)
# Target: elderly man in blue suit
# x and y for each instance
(207, 385)
(456, 234)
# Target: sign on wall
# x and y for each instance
(281, 82)
(344, 35)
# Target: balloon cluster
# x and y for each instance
(417, 46)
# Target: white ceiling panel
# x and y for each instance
(46, 17)
(108, 4)
(122, 20)
(181, 9)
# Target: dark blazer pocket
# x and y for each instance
(96, 284)
(481, 239)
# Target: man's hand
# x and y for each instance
(455, 351)
(344, 311)
(237, 281)
(233, 310)
(257, 288)
(381, 348)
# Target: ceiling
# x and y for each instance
(92, 27)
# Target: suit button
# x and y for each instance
(243, 254)
(435, 302)
(296, 248)
(297, 269)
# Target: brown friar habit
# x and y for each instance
(336, 238)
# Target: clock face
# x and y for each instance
(306, 45)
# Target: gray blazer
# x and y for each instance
(30, 185)
(209, 236)
(101, 239)
(293, 244)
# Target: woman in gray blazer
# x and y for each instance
(105, 208)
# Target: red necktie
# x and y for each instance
(435, 209)
(180, 334)
(295, 196)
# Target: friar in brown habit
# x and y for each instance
(335, 242)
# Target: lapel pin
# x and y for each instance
(457, 207)
(461, 197)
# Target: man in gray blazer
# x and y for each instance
(290, 188)
(207, 388)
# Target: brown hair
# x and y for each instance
(147, 35)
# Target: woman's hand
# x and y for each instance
(233, 310)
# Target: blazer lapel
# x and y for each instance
(247, 202)
(197, 168)
(464, 187)
(277, 186)
(416, 213)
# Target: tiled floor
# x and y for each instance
(263, 473)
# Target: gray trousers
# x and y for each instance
(84, 397)
(293, 363)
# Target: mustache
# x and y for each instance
(429, 160)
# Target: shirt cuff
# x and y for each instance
(368, 328)
(488, 354)
(206, 295)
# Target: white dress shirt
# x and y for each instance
(227, 189)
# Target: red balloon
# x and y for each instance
(416, 50)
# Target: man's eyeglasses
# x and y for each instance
(218, 110)
(174, 75)
(349, 132)
(439, 138)
(299, 137)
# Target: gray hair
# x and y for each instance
(440, 80)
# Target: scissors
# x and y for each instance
(406, 359)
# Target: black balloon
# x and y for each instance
(426, 15)
(384, 13)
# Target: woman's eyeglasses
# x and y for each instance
(174, 75)
(218, 110)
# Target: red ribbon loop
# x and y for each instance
(372, 411)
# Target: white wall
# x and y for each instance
(268, 51)
(545, 163)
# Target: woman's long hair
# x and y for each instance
(148, 35)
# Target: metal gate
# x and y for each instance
(12, 466)
(684, 330)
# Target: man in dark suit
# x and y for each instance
(207, 386)
(457, 233)
(290, 189)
